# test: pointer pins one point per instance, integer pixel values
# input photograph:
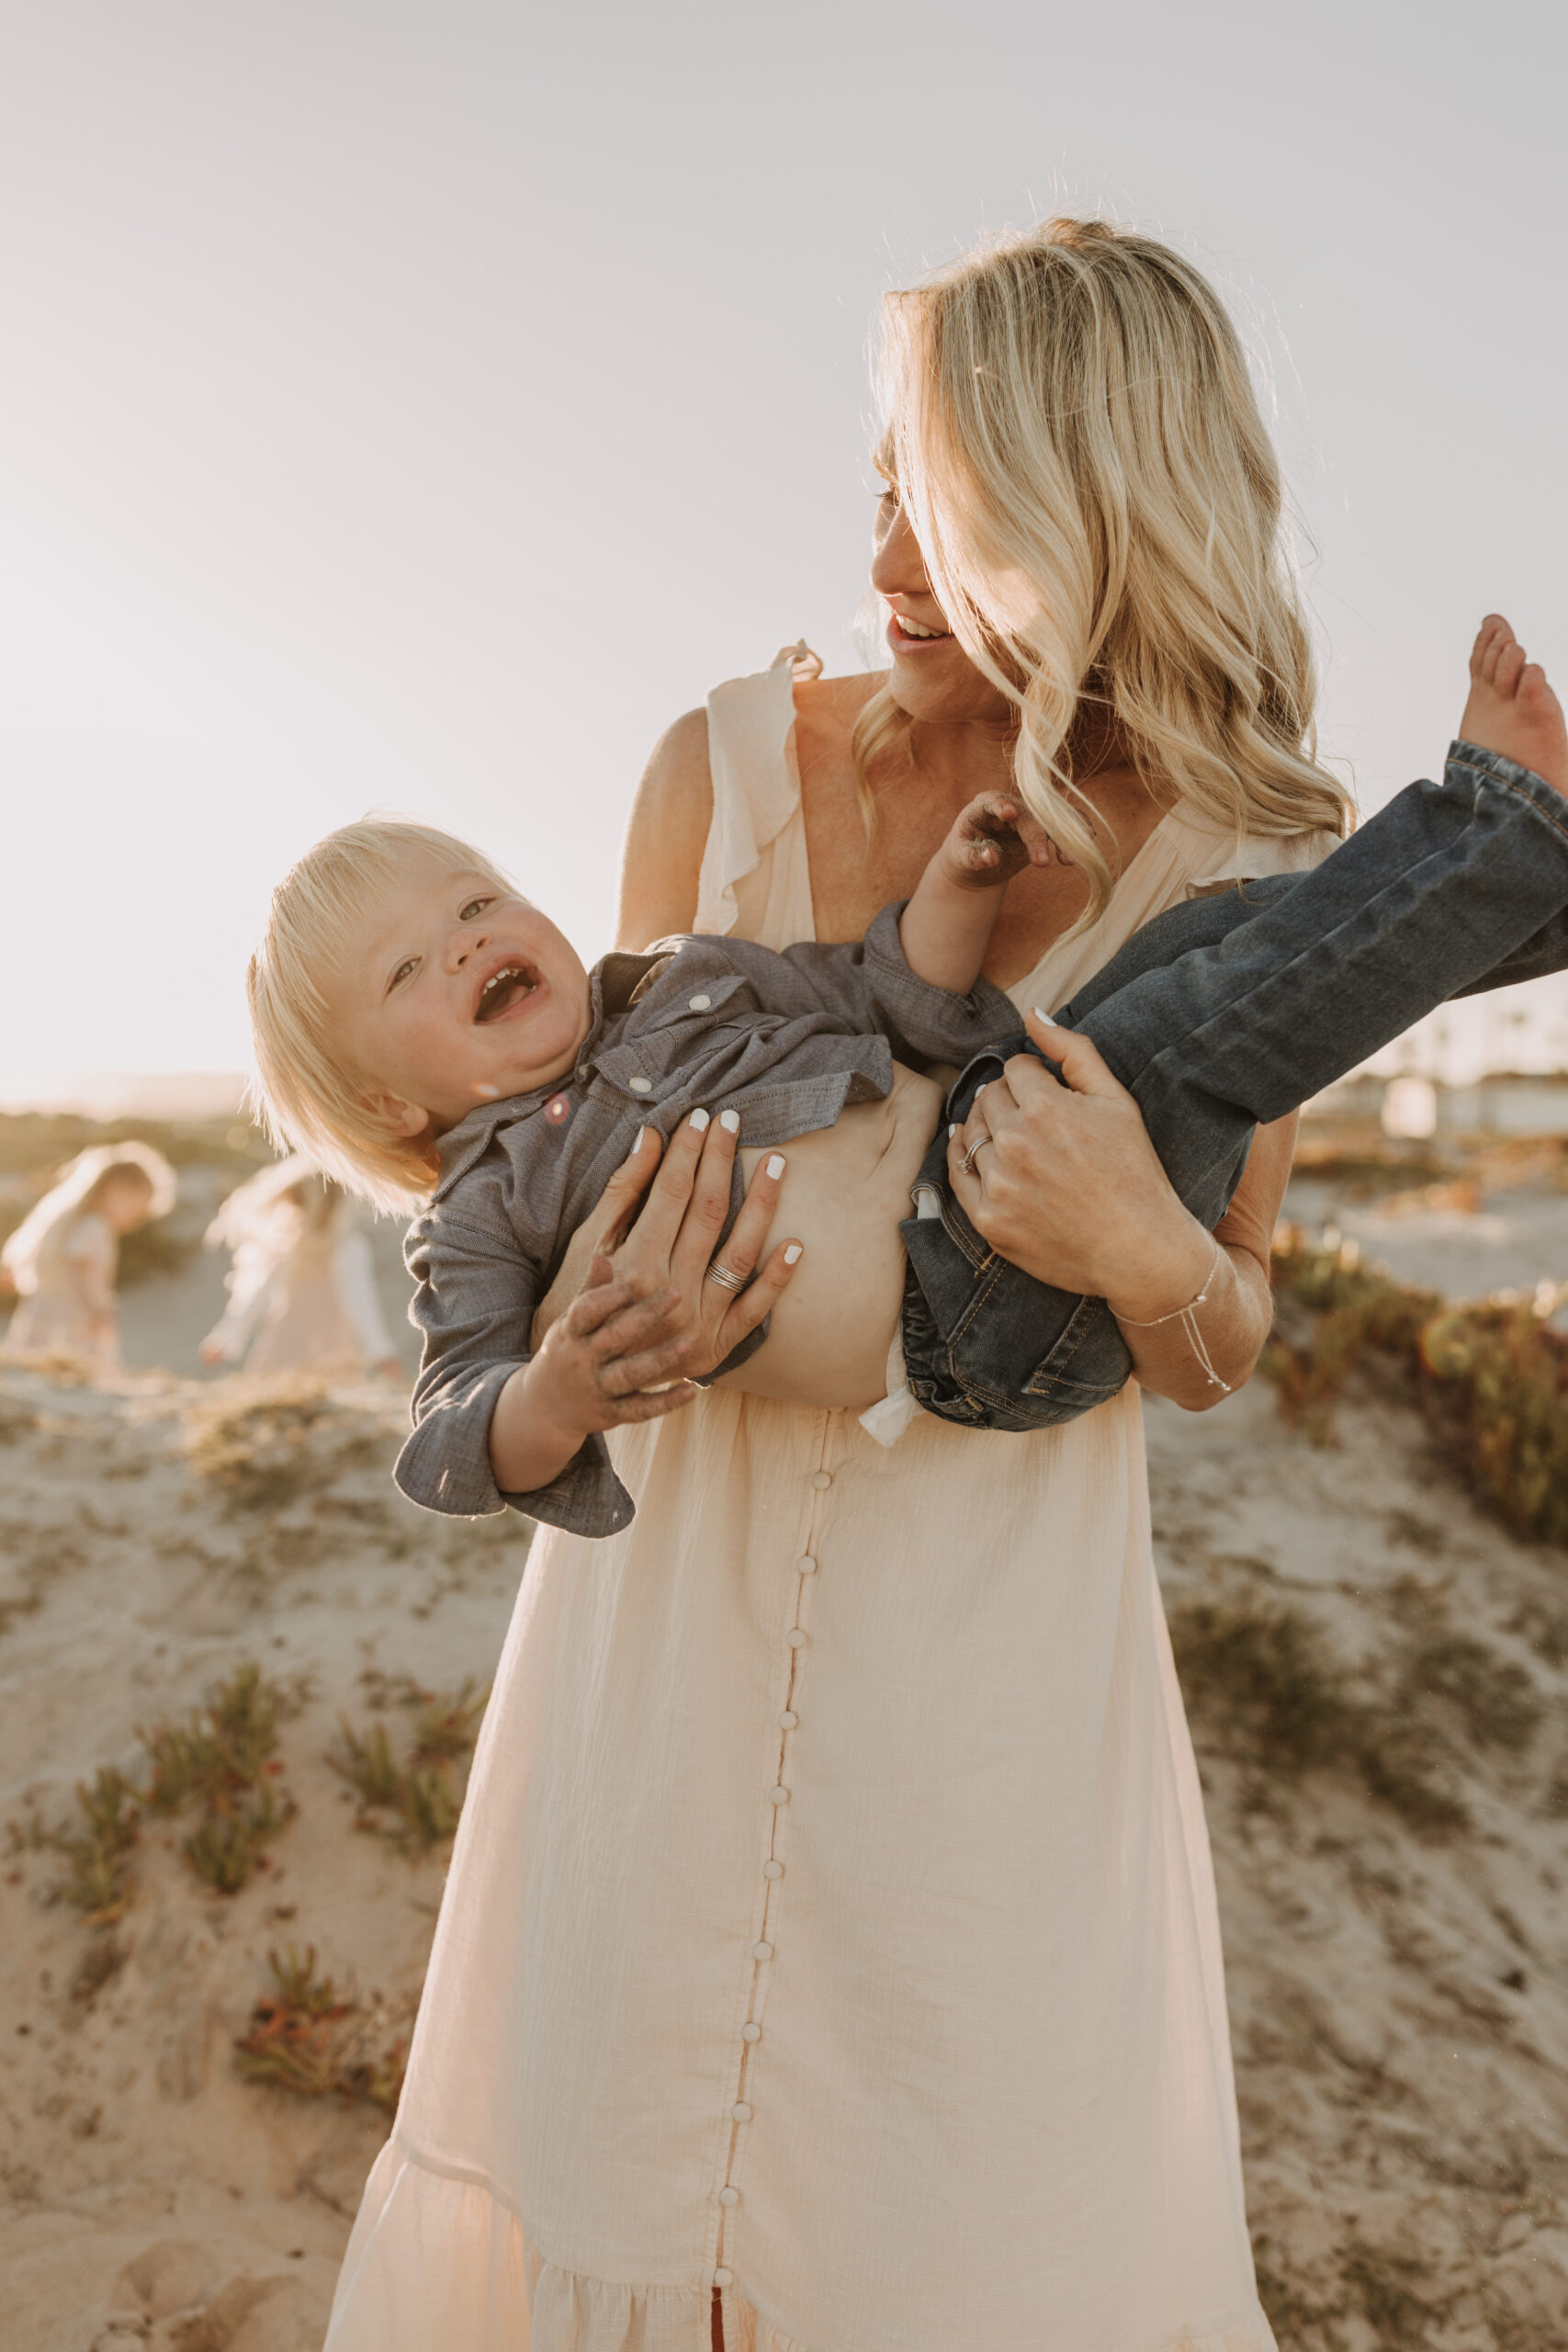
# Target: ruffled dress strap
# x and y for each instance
(754, 878)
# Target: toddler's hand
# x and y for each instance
(991, 840)
(588, 1374)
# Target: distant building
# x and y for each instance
(1507, 1103)
(1504, 1102)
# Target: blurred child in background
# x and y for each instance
(62, 1260)
(302, 1287)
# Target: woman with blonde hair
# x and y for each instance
(829, 1960)
(63, 1258)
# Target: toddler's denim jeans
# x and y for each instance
(1222, 1014)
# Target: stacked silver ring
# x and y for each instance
(968, 1162)
(724, 1278)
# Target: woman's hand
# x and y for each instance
(668, 1244)
(672, 1242)
(1067, 1184)
(1064, 1182)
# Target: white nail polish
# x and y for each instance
(730, 1122)
(952, 1129)
(1044, 1017)
(791, 1253)
(981, 1087)
(699, 1120)
(776, 1166)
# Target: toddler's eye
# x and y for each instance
(474, 907)
(401, 974)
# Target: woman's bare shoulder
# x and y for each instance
(826, 710)
(666, 835)
(837, 701)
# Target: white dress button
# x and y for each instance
(751, 2032)
(640, 1085)
(729, 2196)
(778, 1796)
(740, 2112)
(788, 1720)
(820, 1479)
(762, 1952)
(805, 1565)
(797, 1637)
(700, 1003)
(722, 2278)
(773, 1870)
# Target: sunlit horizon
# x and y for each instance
(421, 411)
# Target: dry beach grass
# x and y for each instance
(240, 1680)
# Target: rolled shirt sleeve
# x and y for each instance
(473, 1303)
(869, 984)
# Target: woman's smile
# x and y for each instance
(906, 635)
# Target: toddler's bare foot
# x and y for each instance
(1511, 708)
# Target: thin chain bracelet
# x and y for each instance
(1188, 1317)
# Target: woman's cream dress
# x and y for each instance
(831, 1918)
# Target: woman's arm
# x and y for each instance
(1073, 1192)
(666, 835)
(1237, 1316)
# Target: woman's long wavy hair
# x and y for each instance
(1073, 434)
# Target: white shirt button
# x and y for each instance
(797, 1637)
(820, 1479)
(722, 2278)
(778, 1796)
(762, 1952)
(729, 2196)
(805, 1565)
(751, 2032)
(640, 1085)
(740, 2112)
(773, 1870)
(583, 1075)
(700, 1003)
(788, 1720)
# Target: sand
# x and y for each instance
(1399, 1996)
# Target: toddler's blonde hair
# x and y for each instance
(1073, 434)
(307, 1094)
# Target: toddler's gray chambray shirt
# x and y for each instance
(786, 1039)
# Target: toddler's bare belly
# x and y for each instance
(845, 1190)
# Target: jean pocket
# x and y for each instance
(1090, 1361)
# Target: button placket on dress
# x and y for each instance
(797, 1642)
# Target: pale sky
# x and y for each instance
(420, 406)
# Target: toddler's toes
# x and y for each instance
(1509, 669)
(1490, 640)
(1535, 697)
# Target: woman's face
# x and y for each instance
(933, 678)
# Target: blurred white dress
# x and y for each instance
(70, 1307)
(303, 1290)
(831, 1918)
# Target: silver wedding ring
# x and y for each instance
(968, 1162)
(724, 1278)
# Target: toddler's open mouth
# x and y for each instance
(507, 989)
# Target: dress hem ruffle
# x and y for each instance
(440, 2258)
